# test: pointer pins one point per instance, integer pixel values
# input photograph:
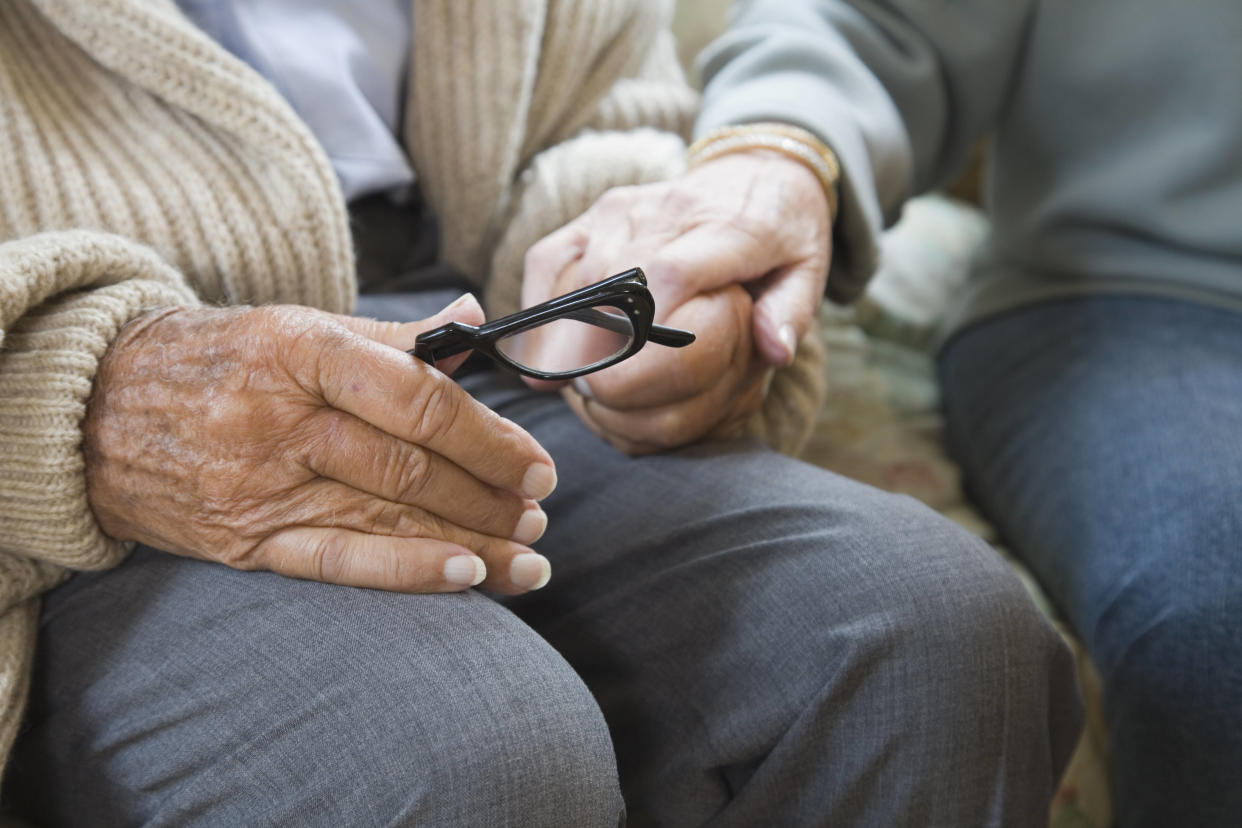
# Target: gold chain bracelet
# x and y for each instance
(790, 141)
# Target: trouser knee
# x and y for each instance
(984, 657)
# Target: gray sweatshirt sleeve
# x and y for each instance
(900, 90)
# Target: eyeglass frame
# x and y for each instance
(626, 291)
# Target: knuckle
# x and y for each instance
(431, 525)
(287, 328)
(677, 430)
(435, 409)
(395, 574)
(632, 447)
(670, 267)
(618, 198)
(411, 472)
(671, 272)
(541, 256)
(501, 514)
(761, 227)
(681, 198)
(247, 558)
(385, 518)
(300, 340)
(330, 557)
(650, 432)
(324, 433)
(681, 424)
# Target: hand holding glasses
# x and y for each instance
(566, 337)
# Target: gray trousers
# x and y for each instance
(730, 637)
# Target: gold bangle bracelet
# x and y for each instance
(791, 141)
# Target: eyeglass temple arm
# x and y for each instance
(669, 337)
(439, 344)
(659, 334)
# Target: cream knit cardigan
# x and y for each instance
(142, 166)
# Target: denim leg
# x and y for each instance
(1104, 437)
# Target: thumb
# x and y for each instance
(785, 304)
(401, 335)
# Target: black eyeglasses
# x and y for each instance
(566, 337)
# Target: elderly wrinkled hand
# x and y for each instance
(288, 439)
(736, 250)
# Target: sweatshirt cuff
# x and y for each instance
(797, 79)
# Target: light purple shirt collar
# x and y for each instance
(341, 65)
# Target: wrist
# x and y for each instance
(110, 432)
(800, 189)
(792, 142)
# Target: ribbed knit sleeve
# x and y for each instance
(63, 298)
(119, 115)
(17, 642)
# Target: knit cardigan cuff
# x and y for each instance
(63, 298)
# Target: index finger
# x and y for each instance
(403, 396)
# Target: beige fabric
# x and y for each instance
(142, 166)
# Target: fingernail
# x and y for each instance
(465, 570)
(530, 571)
(789, 339)
(583, 387)
(530, 526)
(539, 481)
(460, 300)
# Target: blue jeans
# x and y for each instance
(1104, 437)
